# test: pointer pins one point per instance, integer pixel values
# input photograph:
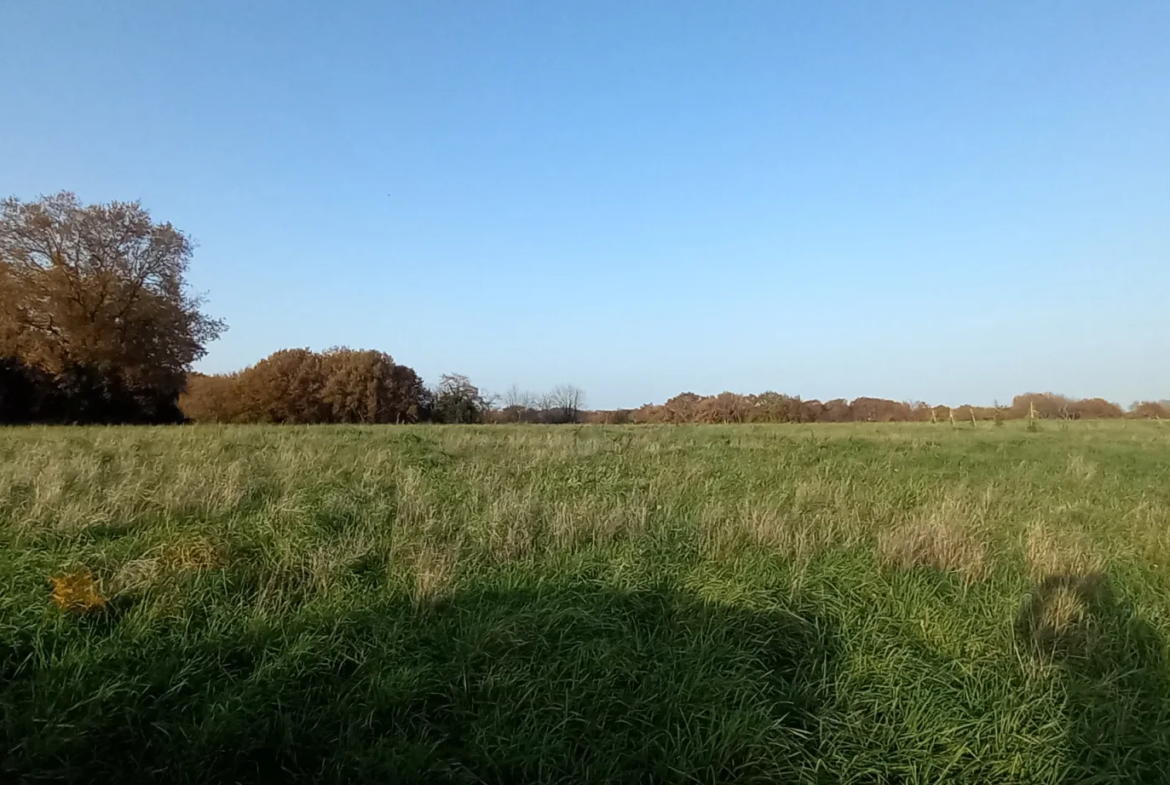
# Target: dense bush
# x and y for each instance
(301, 386)
(771, 407)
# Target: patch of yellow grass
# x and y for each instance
(596, 519)
(1064, 610)
(77, 592)
(1058, 616)
(944, 538)
(434, 572)
(799, 538)
(166, 563)
(794, 531)
(1050, 551)
(193, 555)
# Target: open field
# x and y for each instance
(860, 603)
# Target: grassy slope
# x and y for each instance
(902, 604)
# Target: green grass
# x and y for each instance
(861, 604)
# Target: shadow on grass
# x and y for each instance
(1116, 681)
(564, 684)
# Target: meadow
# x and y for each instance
(911, 603)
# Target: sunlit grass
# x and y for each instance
(863, 603)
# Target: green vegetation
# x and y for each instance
(906, 603)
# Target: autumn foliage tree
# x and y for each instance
(1151, 410)
(97, 314)
(213, 398)
(367, 386)
(285, 387)
(300, 386)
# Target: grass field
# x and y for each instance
(861, 604)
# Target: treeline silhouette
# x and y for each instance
(771, 407)
(348, 386)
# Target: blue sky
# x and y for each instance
(944, 201)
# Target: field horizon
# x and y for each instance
(854, 603)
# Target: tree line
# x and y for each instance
(345, 385)
(772, 407)
(99, 325)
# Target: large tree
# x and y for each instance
(457, 400)
(98, 293)
(566, 403)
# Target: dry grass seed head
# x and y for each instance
(328, 562)
(1050, 552)
(795, 536)
(193, 555)
(593, 520)
(434, 572)
(717, 535)
(1057, 619)
(942, 541)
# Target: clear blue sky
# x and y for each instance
(943, 201)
